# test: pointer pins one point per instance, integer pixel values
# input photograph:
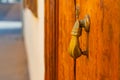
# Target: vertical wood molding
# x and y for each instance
(51, 37)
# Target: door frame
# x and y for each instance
(51, 38)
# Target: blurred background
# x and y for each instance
(10, 16)
(13, 60)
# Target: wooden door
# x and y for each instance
(103, 61)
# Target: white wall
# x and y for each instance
(34, 40)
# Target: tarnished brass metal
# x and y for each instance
(85, 23)
(74, 48)
(77, 12)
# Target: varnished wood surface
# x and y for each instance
(50, 40)
(104, 40)
(66, 22)
(103, 60)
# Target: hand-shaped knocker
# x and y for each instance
(74, 48)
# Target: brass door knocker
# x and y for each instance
(74, 48)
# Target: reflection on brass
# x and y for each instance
(32, 5)
(74, 48)
(85, 23)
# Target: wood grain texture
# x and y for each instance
(103, 62)
(104, 40)
(58, 24)
(50, 40)
(66, 22)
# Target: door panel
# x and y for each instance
(102, 62)
(104, 40)
(66, 21)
